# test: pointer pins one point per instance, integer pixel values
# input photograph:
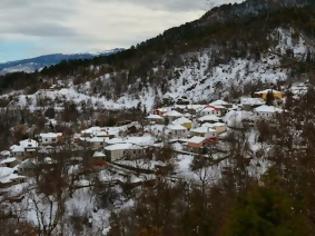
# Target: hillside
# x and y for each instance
(226, 52)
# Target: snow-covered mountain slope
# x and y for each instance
(37, 63)
(197, 62)
(197, 79)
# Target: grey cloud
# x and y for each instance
(35, 18)
(174, 5)
(171, 5)
(6, 4)
(40, 30)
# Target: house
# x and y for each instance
(172, 115)
(155, 119)
(161, 111)
(176, 131)
(278, 95)
(124, 151)
(9, 162)
(196, 142)
(104, 132)
(221, 106)
(193, 109)
(17, 150)
(24, 147)
(5, 154)
(209, 119)
(266, 112)
(209, 110)
(94, 142)
(97, 163)
(99, 154)
(91, 132)
(219, 127)
(299, 89)
(203, 132)
(248, 103)
(8, 177)
(220, 103)
(27, 167)
(145, 140)
(29, 145)
(183, 121)
(50, 138)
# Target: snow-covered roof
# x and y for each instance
(99, 154)
(122, 146)
(116, 141)
(195, 107)
(173, 113)
(267, 91)
(252, 101)
(162, 109)
(96, 140)
(50, 135)
(217, 124)
(209, 118)
(7, 175)
(187, 115)
(29, 143)
(101, 133)
(219, 103)
(5, 153)
(145, 140)
(196, 139)
(16, 148)
(154, 117)
(268, 109)
(181, 120)
(91, 130)
(209, 109)
(203, 130)
(5, 171)
(8, 160)
(176, 127)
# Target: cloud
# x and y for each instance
(168, 5)
(82, 25)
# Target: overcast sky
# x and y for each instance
(35, 27)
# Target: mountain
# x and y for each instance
(38, 63)
(230, 51)
(250, 8)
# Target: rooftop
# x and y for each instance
(154, 117)
(173, 113)
(50, 135)
(219, 103)
(122, 146)
(268, 109)
(209, 118)
(181, 120)
(197, 139)
(176, 127)
(252, 101)
(203, 130)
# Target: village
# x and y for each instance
(187, 129)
